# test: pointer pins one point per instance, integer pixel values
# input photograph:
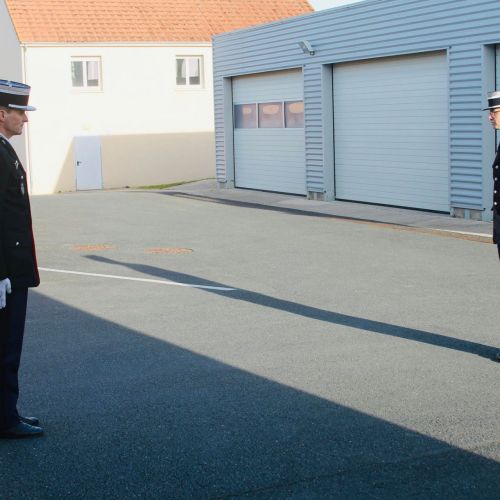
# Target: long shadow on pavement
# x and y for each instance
(365, 324)
(131, 416)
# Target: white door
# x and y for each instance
(269, 151)
(88, 162)
(391, 131)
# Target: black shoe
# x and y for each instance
(29, 420)
(21, 430)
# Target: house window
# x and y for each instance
(189, 71)
(86, 73)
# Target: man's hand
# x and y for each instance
(4, 290)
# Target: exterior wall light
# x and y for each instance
(306, 47)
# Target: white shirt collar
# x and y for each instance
(3, 137)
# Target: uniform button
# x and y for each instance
(17, 243)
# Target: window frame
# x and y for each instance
(260, 107)
(257, 105)
(285, 121)
(255, 117)
(85, 87)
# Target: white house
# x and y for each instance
(123, 89)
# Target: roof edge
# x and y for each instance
(115, 44)
(316, 13)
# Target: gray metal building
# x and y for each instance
(378, 102)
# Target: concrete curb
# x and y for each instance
(388, 217)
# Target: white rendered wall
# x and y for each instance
(11, 67)
(152, 131)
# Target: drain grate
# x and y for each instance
(168, 250)
(92, 248)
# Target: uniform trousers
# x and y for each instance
(12, 319)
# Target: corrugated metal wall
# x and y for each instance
(369, 29)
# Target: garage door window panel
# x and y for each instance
(271, 115)
(294, 114)
(245, 116)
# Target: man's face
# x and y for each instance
(12, 121)
(495, 118)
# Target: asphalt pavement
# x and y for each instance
(186, 345)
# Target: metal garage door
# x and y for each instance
(269, 132)
(391, 131)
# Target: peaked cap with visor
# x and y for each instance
(493, 101)
(15, 95)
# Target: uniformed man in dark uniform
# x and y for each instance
(494, 109)
(18, 267)
(494, 117)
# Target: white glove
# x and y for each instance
(4, 290)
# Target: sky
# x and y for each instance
(328, 4)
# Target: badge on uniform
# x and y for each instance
(22, 188)
(16, 164)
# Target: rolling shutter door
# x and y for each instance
(391, 131)
(269, 159)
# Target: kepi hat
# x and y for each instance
(15, 95)
(493, 100)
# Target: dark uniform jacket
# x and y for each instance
(496, 198)
(17, 246)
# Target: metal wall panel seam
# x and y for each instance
(313, 138)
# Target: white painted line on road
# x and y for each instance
(485, 235)
(143, 280)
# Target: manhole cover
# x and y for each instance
(91, 248)
(169, 250)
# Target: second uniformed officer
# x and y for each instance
(494, 109)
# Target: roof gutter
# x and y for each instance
(116, 44)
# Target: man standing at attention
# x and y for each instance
(494, 109)
(18, 267)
